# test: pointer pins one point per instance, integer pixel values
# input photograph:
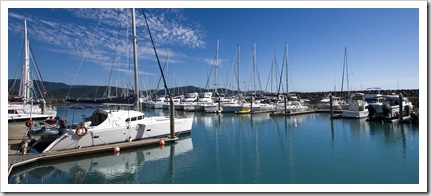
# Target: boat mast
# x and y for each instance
(25, 83)
(167, 74)
(287, 76)
(135, 59)
(254, 66)
(238, 70)
(216, 68)
(345, 69)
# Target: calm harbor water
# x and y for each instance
(249, 149)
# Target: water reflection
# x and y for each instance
(104, 167)
(366, 131)
(286, 127)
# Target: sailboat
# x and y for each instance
(338, 103)
(107, 126)
(26, 106)
(357, 106)
(291, 103)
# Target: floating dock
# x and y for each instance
(328, 111)
(282, 113)
(405, 119)
(17, 132)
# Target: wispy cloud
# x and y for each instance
(170, 27)
(99, 36)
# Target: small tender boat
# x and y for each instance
(243, 111)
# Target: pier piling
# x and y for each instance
(330, 105)
(400, 100)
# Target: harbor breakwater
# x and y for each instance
(315, 97)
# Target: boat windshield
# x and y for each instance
(374, 100)
(97, 117)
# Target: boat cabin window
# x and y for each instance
(12, 112)
(134, 118)
(131, 119)
(374, 100)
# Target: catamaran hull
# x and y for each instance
(153, 127)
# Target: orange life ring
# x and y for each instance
(80, 133)
(29, 123)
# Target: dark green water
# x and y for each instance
(251, 149)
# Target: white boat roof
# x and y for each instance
(373, 95)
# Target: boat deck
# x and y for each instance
(17, 131)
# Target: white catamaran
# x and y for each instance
(113, 126)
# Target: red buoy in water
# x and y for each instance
(162, 143)
(117, 149)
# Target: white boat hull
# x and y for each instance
(20, 112)
(355, 114)
(150, 127)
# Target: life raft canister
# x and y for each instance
(79, 131)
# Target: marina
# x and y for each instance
(191, 96)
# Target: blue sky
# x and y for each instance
(82, 46)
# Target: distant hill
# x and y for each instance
(57, 90)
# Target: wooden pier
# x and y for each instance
(17, 132)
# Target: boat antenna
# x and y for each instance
(171, 101)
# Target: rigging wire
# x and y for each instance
(17, 72)
(83, 58)
(281, 75)
(115, 55)
(230, 74)
(209, 75)
(45, 93)
(155, 51)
